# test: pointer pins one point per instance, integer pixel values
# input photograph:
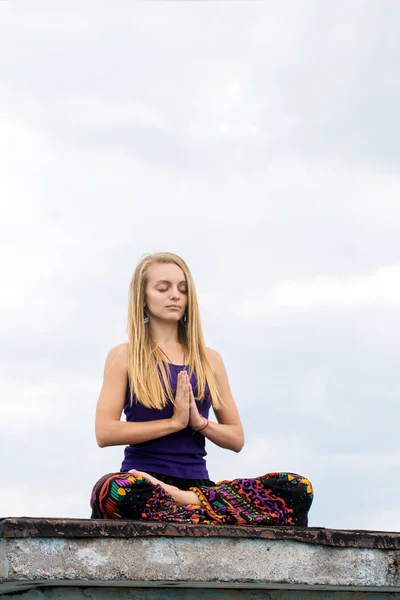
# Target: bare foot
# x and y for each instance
(152, 479)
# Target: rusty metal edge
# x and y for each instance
(27, 527)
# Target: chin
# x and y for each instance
(174, 318)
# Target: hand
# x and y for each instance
(182, 401)
(196, 420)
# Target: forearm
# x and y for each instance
(123, 433)
(230, 437)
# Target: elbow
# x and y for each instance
(102, 438)
(239, 443)
(238, 448)
(105, 432)
(101, 441)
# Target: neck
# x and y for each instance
(164, 334)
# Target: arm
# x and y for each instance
(228, 432)
(110, 430)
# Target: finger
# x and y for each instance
(184, 392)
(183, 379)
(180, 382)
(187, 394)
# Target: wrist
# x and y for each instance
(202, 426)
(176, 425)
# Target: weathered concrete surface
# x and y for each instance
(86, 528)
(186, 562)
(84, 554)
(193, 594)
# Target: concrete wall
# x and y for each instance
(63, 559)
(67, 593)
(199, 561)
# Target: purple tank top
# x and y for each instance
(180, 454)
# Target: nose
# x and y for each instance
(175, 294)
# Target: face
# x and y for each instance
(166, 292)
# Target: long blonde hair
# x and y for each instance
(148, 377)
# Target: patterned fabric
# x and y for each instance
(179, 482)
(272, 499)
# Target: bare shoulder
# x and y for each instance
(117, 358)
(215, 359)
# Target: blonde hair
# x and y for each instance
(148, 377)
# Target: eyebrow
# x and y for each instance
(166, 281)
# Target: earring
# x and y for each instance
(146, 317)
(184, 318)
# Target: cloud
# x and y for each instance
(257, 141)
(381, 288)
(47, 403)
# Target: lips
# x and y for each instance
(174, 306)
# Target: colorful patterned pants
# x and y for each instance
(272, 499)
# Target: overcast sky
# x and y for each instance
(258, 140)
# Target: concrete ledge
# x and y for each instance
(65, 593)
(24, 527)
(118, 554)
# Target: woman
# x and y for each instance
(166, 380)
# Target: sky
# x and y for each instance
(259, 141)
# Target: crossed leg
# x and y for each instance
(273, 499)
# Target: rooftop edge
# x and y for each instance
(32, 527)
